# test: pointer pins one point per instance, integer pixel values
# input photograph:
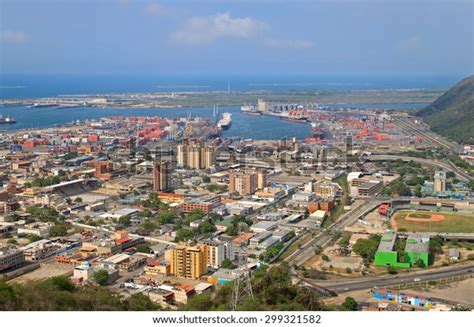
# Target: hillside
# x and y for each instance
(452, 114)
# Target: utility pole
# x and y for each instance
(242, 284)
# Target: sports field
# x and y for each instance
(423, 221)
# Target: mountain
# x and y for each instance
(452, 114)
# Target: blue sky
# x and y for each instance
(237, 37)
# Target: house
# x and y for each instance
(453, 254)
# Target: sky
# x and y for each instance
(237, 37)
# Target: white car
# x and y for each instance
(417, 280)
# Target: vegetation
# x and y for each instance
(349, 304)
(185, 234)
(272, 290)
(45, 214)
(227, 264)
(436, 245)
(47, 181)
(59, 294)
(366, 248)
(451, 114)
(59, 229)
(452, 223)
(216, 188)
(143, 248)
(101, 277)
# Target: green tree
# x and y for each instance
(199, 302)
(349, 304)
(125, 221)
(227, 264)
(58, 230)
(206, 227)
(391, 270)
(185, 234)
(33, 238)
(141, 302)
(101, 277)
(143, 248)
(366, 248)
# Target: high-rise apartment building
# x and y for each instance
(440, 181)
(188, 261)
(261, 179)
(196, 156)
(162, 176)
(243, 182)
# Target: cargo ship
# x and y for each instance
(225, 121)
(250, 110)
(7, 120)
(296, 116)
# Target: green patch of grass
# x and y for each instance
(452, 223)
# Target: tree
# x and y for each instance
(318, 249)
(143, 248)
(147, 227)
(436, 244)
(33, 238)
(206, 227)
(227, 264)
(185, 234)
(101, 277)
(58, 230)
(232, 230)
(325, 257)
(344, 241)
(167, 217)
(391, 270)
(366, 248)
(199, 302)
(141, 302)
(349, 304)
(419, 263)
(125, 221)
(78, 199)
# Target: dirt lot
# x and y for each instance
(460, 292)
(373, 223)
(47, 269)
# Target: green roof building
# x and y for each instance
(416, 248)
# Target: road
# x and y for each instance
(306, 251)
(460, 174)
(426, 135)
(433, 275)
(105, 230)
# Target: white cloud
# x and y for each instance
(412, 43)
(14, 37)
(289, 44)
(205, 30)
(154, 8)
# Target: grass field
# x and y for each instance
(452, 223)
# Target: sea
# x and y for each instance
(245, 126)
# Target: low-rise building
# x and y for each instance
(10, 258)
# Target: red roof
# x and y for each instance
(123, 240)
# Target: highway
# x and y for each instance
(306, 251)
(433, 275)
(428, 162)
(427, 135)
